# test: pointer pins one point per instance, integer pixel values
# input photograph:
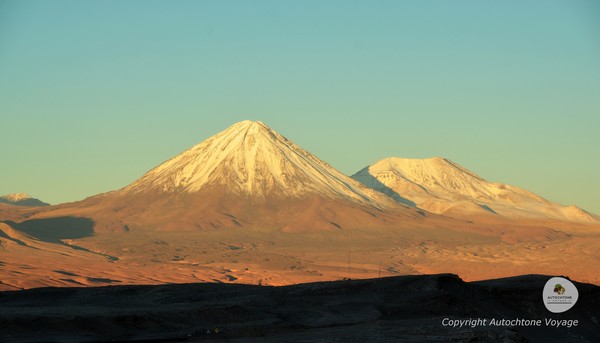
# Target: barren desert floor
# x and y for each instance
(474, 251)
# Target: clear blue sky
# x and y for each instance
(95, 93)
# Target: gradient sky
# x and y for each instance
(95, 93)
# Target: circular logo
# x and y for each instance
(559, 295)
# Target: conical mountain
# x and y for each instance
(441, 186)
(250, 159)
(247, 175)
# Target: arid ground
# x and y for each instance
(36, 257)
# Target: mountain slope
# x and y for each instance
(21, 199)
(252, 160)
(441, 186)
(248, 175)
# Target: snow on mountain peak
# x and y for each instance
(442, 186)
(16, 196)
(251, 159)
(21, 199)
(426, 176)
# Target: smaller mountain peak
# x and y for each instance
(22, 199)
(436, 160)
(16, 196)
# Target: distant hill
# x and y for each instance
(21, 199)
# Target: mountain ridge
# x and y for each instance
(442, 186)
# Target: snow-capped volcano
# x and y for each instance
(441, 186)
(247, 175)
(21, 199)
(250, 159)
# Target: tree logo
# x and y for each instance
(559, 295)
(559, 289)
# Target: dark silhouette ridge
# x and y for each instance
(393, 309)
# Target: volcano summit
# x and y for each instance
(250, 159)
(247, 175)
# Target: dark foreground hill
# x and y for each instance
(406, 309)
